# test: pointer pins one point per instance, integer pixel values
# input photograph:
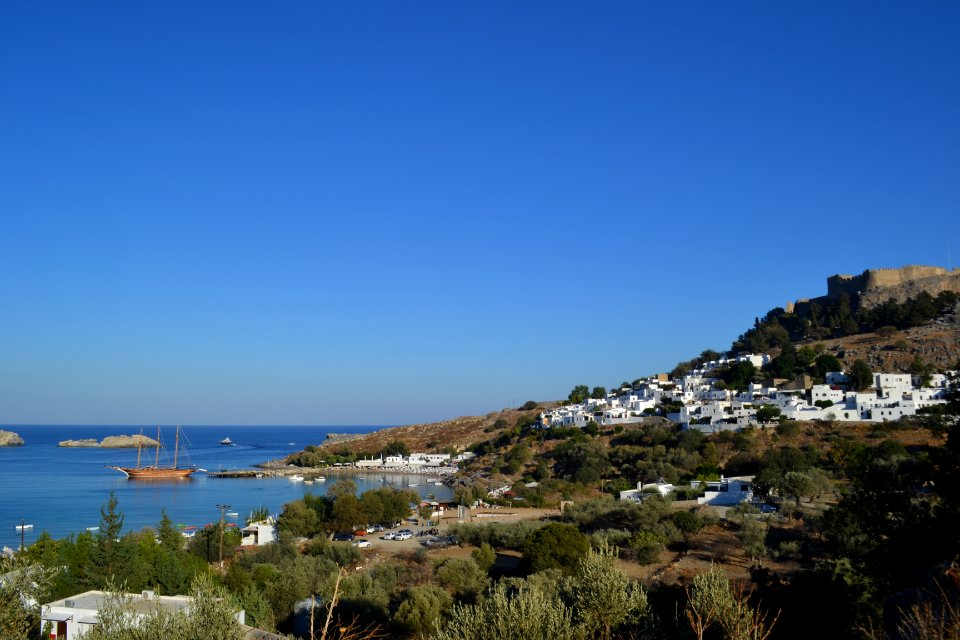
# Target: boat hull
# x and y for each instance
(137, 473)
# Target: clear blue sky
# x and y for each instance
(383, 212)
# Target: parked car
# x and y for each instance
(375, 528)
(360, 532)
(363, 544)
(389, 535)
(436, 543)
(402, 536)
(343, 537)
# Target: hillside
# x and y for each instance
(936, 344)
(457, 433)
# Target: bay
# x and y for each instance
(61, 490)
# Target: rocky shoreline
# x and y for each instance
(112, 442)
(10, 439)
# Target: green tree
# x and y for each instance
(797, 484)
(484, 556)
(860, 376)
(602, 596)
(463, 578)
(598, 393)
(528, 613)
(708, 601)
(111, 555)
(555, 546)
(23, 587)
(580, 393)
(397, 448)
(582, 461)
(421, 609)
(752, 536)
(170, 538)
(299, 520)
(347, 513)
(768, 412)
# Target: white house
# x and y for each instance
(660, 487)
(820, 392)
(893, 384)
(70, 618)
(726, 491)
(259, 533)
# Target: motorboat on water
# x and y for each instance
(227, 442)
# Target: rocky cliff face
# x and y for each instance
(10, 439)
(112, 442)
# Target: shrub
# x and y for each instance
(555, 546)
(646, 547)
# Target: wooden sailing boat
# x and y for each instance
(156, 470)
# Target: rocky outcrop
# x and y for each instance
(10, 439)
(88, 442)
(120, 442)
(112, 442)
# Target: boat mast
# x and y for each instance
(176, 447)
(139, 447)
(156, 460)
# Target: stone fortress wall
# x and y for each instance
(875, 286)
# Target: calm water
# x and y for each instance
(61, 490)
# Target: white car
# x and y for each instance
(363, 544)
(402, 536)
(388, 536)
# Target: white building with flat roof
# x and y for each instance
(70, 618)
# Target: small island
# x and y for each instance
(10, 439)
(112, 442)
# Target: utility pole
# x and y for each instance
(23, 529)
(223, 508)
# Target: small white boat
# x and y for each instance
(412, 484)
(93, 528)
(233, 514)
(295, 478)
(308, 482)
(321, 479)
(226, 441)
(23, 527)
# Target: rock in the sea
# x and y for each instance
(10, 439)
(88, 442)
(112, 442)
(119, 442)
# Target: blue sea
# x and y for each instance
(61, 490)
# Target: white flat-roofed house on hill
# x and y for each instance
(726, 491)
(892, 384)
(70, 618)
(826, 392)
(259, 533)
(660, 487)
